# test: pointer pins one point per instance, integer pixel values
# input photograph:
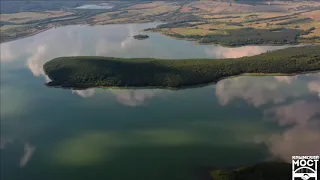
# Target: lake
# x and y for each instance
(94, 6)
(52, 133)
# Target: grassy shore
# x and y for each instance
(90, 71)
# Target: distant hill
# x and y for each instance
(13, 6)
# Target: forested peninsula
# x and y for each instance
(92, 71)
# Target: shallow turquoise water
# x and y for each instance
(49, 133)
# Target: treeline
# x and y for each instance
(223, 17)
(180, 17)
(180, 24)
(277, 18)
(247, 36)
(141, 72)
(295, 21)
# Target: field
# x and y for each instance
(201, 18)
(190, 31)
(220, 17)
(23, 17)
(147, 5)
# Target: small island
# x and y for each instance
(93, 71)
(140, 37)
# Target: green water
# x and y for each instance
(50, 133)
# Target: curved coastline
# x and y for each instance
(90, 71)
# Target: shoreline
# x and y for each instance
(185, 87)
(111, 72)
(223, 45)
(169, 36)
(26, 36)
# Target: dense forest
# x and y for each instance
(265, 171)
(247, 36)
(89, 71)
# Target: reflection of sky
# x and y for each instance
(112, 40)
(194, 127)
(225, 52)
(301, 117)
(94, 6)
(28, 152)
(275, 89)
(279, 98)
(303, 137)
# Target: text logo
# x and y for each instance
(304, 167)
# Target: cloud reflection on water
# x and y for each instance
(298, 140)
(227, 52)
(257, 91)
(314, 86)
(274, 89)
(299, 118)
(4, 141)
(39, 49)
(300, 112)
(135, 97)
(84, 93)
(28, 152)
(112, 40)
(251, 90)
(302, 137)
(127, 97)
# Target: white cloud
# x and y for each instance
(252, 90)
(314, 86)
(226, 52)
(286, 79)
(299, 140)
(302, 135)
(127, 97)
(299, 112)
(84, 93)
(135, 97)
(28, 152)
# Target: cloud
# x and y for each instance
(47, 45)
(135, 97)
(7, 54)
(299, 140)
(4, 142)
(299, 112)
(314, 86)
(125, 97)
(35, 63)
(286, 79)
(84, 93)
(252, 90)
(302, 137)
(128, 41)
(225, 52)
(28, 152)
(266, 89)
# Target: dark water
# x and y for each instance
(49, 133)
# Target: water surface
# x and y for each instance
(95, 6)
(50, 133)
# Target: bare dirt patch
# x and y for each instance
(147, 5)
